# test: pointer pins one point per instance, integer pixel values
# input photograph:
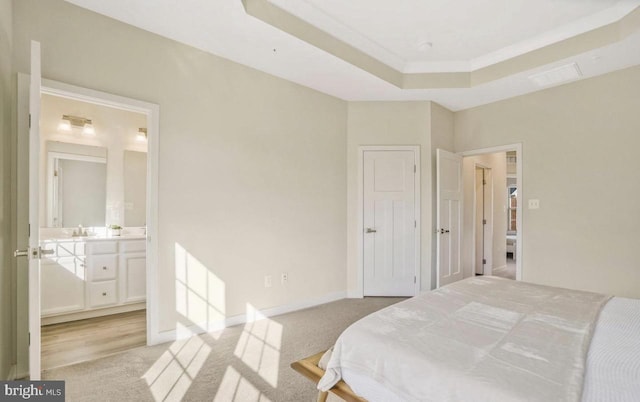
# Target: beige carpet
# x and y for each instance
(243, 363)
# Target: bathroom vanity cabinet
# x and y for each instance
(89, 277)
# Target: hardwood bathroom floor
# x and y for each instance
(77, 341)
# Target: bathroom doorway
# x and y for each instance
(93, 202)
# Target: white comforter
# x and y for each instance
(481, 339)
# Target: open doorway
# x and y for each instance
(30, 183)
(512, 214)
(492, 223)
(93, 202)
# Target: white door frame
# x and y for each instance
(520, 196)
(488, 229)
(360, 211)
(152, 111)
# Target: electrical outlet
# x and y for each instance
(284, 277)
(534, 204)
(268, 281)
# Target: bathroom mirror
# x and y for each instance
(135, 188)
(76, 185)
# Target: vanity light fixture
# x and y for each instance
(142, 134)
(69, 122)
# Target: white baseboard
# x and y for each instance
(182, 333)
(354, 294)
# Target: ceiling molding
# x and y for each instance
(606, 35)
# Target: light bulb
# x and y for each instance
(65, 125)
(88, 129)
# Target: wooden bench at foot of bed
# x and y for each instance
(308, 367)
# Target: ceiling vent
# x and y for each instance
(557, 75)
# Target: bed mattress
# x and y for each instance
(613, 361)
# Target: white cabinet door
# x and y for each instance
(63, 281)
(133, 277)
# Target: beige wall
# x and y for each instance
(252, 168)
(7, 302)
(580, 159)
(388, 123)
(498, 164)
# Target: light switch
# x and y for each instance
(534, 204)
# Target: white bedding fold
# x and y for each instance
(481, 339)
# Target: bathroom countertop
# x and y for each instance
(94, 238)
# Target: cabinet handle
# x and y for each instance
(104, 293)
(105, 268)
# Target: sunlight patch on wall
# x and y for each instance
(234, 387)
(259, 345)
(200, 294)
(170, 377)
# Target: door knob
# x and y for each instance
(371, 230)
(21, 253)
(442, 231)
(37, 252)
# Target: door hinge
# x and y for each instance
(55, 173)
(414, 279)
(484, 261)
(29, 120)
(29, 231)
(414, 168)
(29, 338)
(484, 221)
(415, 224)
(484, 182)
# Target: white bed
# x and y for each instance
(612, 371)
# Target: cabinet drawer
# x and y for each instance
(103, 267)
(131, 246)
(103, 247)
(102, 293)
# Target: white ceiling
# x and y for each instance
(222, 27)
(465, 34)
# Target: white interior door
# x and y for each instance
(389, 218)
(480, 221)
(449, 217)
(484, 221)
(33, 251)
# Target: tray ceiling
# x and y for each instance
(460, 54)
